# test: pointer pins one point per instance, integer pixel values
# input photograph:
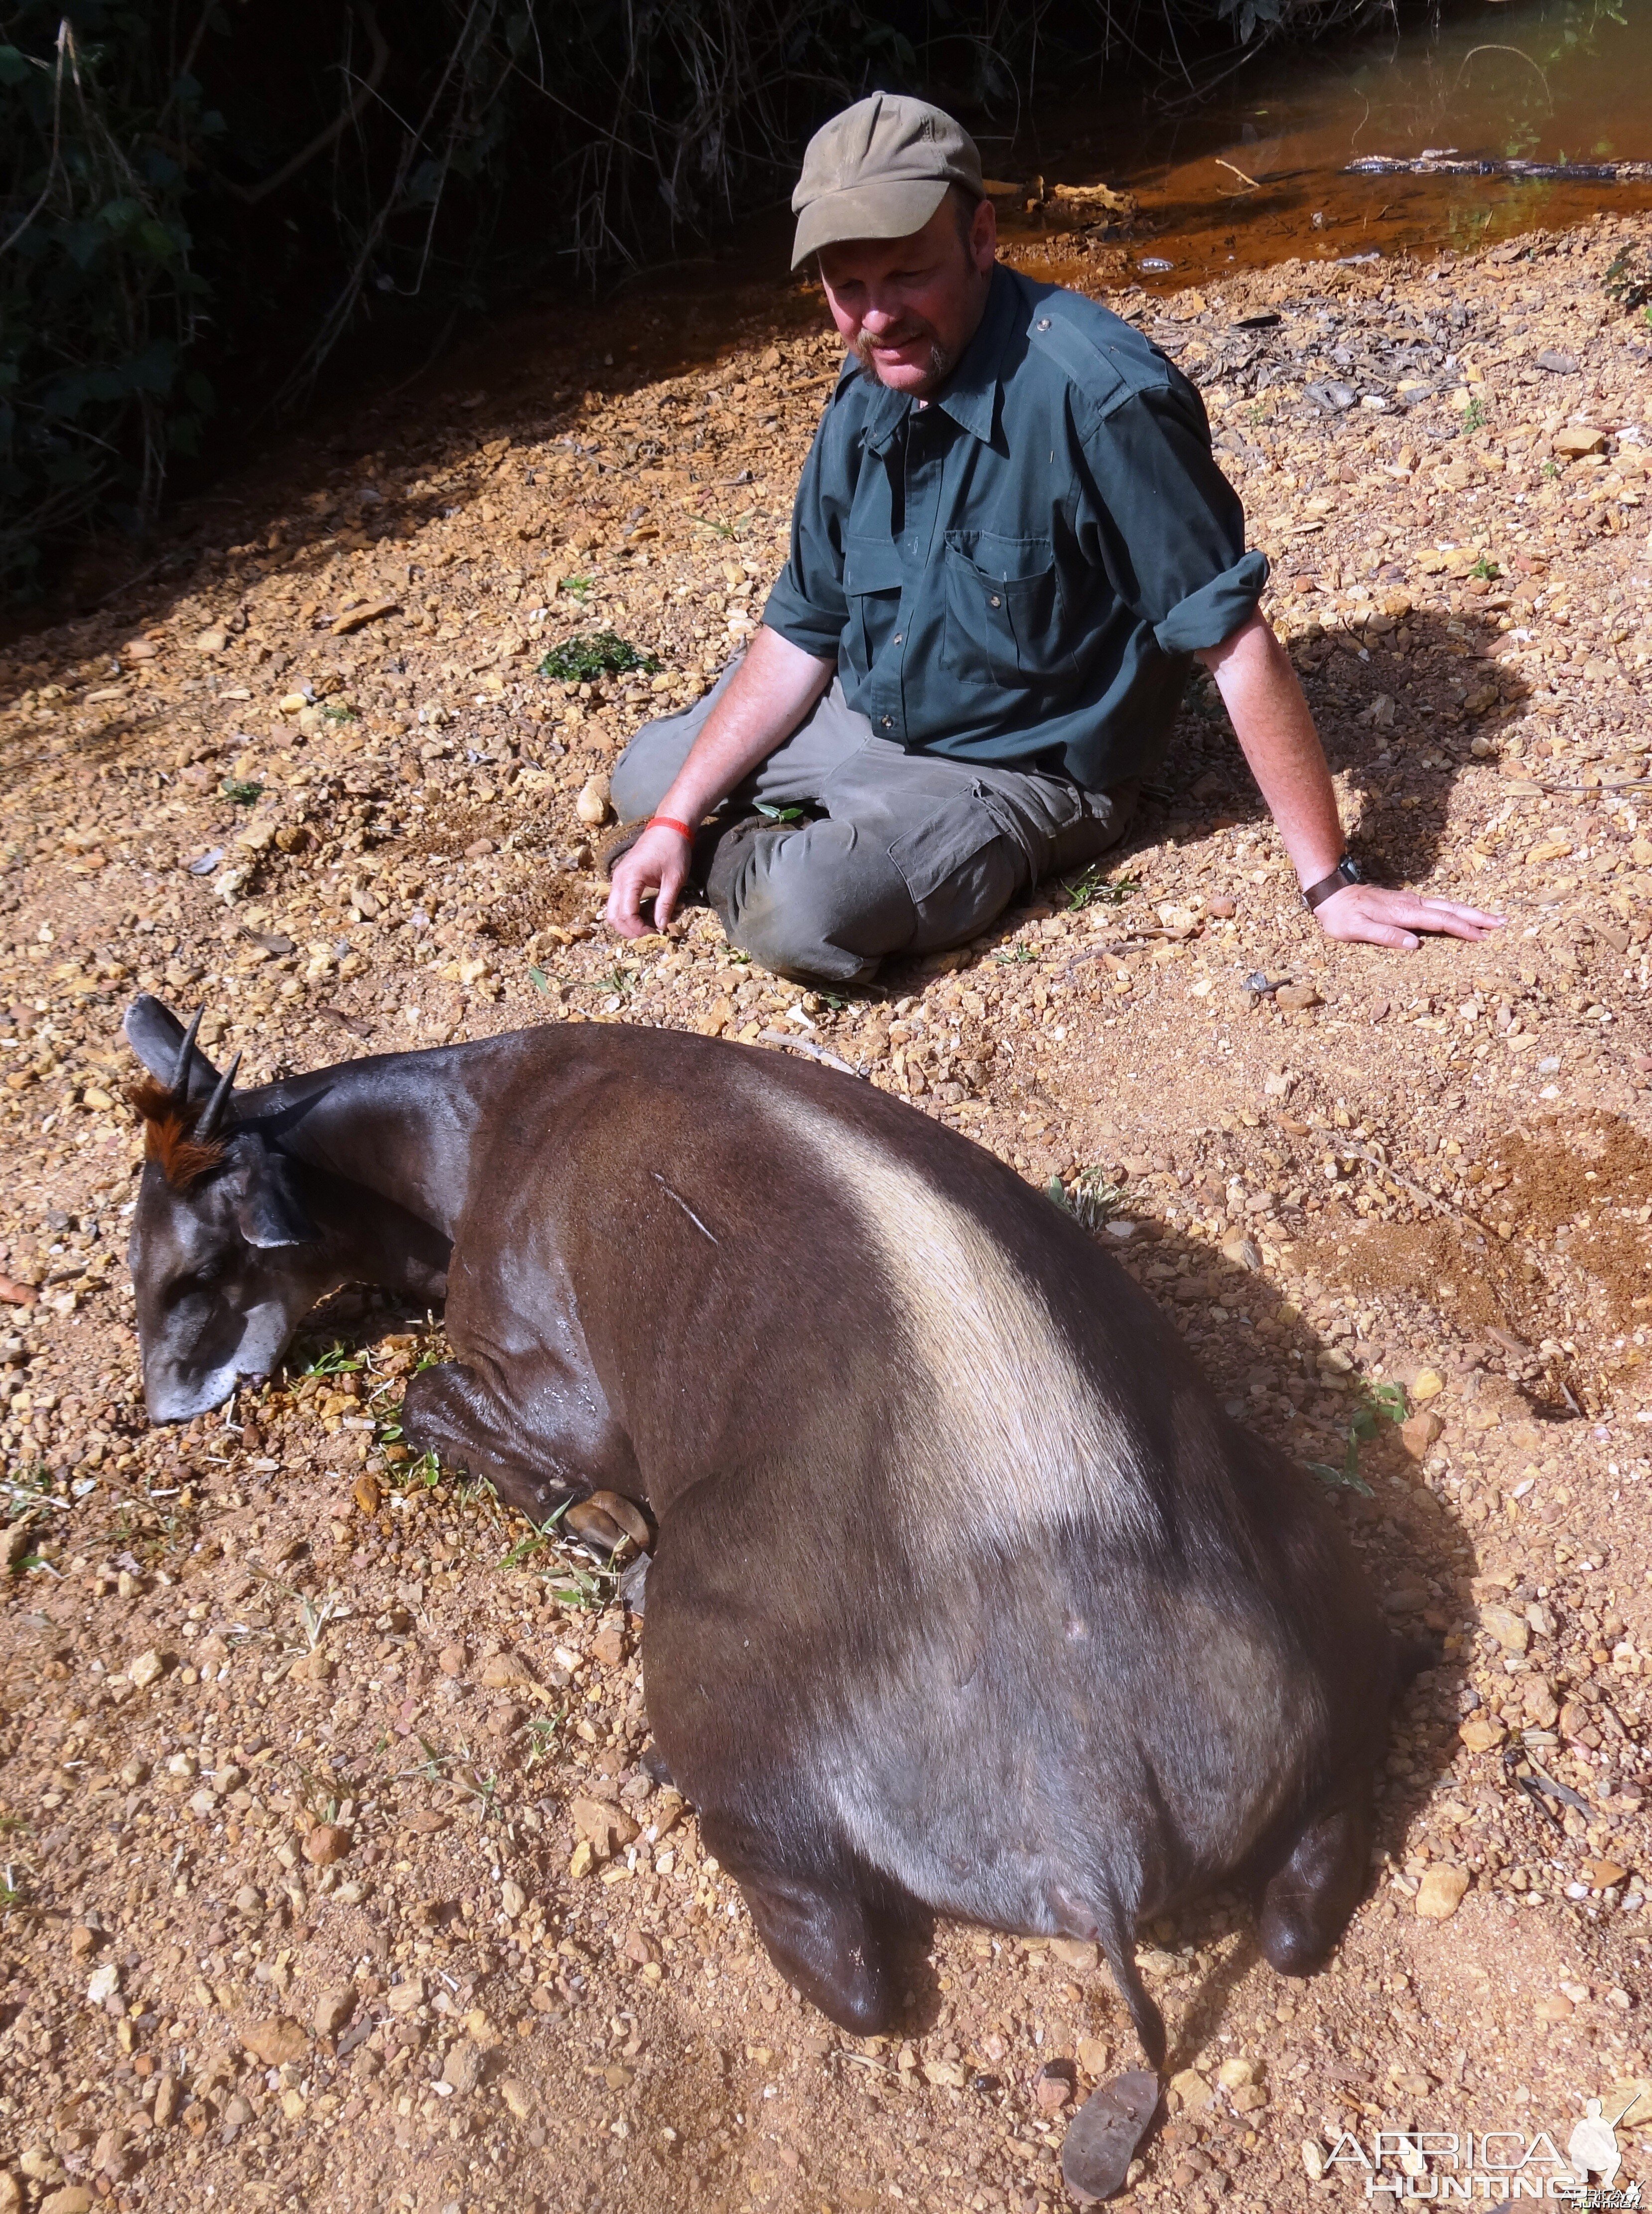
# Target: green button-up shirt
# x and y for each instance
(1018, 572)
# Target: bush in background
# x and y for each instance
(201, 200)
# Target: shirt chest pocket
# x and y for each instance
(1003, 609)
(873, 580)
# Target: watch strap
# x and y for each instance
(1347, 871)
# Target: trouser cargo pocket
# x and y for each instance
(959, 869)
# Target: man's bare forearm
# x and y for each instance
(768, 696)
(1276, 732)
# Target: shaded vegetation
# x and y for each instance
(199, 199)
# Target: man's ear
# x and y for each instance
(268, 1210)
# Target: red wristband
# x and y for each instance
(670, 822)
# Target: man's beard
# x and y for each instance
(942, 363)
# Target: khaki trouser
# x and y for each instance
(914, 851)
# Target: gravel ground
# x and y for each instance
(330, 1876)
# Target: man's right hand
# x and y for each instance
(656, 867)
(768, 696)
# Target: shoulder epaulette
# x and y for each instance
(1105, 357)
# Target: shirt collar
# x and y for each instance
(971, 394)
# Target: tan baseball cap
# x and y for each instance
(879, 170)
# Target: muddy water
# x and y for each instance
(1256, 173)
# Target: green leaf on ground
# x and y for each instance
(602, 653)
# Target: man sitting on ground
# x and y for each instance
(1010, 539)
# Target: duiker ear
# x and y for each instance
(156, 1034)
(268, 1208)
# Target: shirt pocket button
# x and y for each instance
(995, 601)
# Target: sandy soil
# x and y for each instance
(330, 1875)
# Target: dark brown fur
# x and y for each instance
(966, 1593)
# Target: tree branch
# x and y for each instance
(368, 85)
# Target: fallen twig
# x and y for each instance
(802, 1045)
(1418, 1192)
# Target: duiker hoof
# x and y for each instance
(604, 1521)
(1098, 2149)
(592, 1527)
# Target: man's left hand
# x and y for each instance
(1372, 914)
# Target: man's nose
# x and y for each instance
(882, 316)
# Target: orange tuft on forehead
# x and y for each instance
(168, 1138)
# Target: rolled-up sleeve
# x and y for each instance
(807, 604)
(1216, 611)
(1168, 527)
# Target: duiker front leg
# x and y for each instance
(454, 1412)
(817, 1924)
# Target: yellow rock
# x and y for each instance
(516, 2097)
(1579, 438)
(1600, 1876)
(275, 2043)
(1192, 2090)
(1512, 1631)
(947, 2073)
(583, 1860)
(1481, 1734)
(1427, 1384)
(592, 805)
(1440, 1893)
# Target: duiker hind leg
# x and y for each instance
(1308, 1902)
(821, 1929)
(733, 1654)
(454, 1412)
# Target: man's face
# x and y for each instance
(908, 307)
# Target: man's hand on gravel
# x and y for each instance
(1372, 914)
(656, 864)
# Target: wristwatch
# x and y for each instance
(1347, 871)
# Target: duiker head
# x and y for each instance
(223, 1255)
